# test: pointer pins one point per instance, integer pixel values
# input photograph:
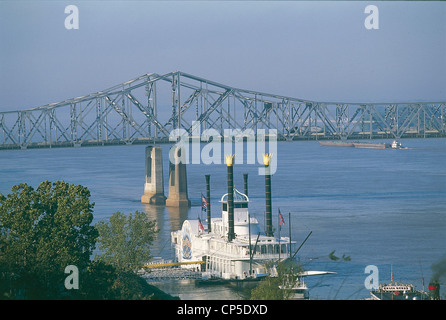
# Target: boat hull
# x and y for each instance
(417, 295)
(336, 144)
(371, 145)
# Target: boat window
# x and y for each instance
(283, 247)
(225, 207)
(262, 249)
(241, 205)
(257, 249)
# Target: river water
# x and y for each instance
(385, 208)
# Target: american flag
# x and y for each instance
(281, 221)
(204, 203)
(200, 225)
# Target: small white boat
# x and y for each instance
(299, 289)
(396, 145)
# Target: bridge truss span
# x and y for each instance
(150, 107)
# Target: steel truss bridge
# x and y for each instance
(148, 108)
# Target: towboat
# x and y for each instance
(366, 145)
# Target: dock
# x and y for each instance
(167, 270)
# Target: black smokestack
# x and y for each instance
(229, 163)
(438, 273)
(245, 181)
(208, 200)
(269, 223)
(434, 290)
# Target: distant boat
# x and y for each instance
(397, 145)
(398, 291)
(366, 145)
(402, 291)
(336, 144)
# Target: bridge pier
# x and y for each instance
(154, 184)
(178, 196)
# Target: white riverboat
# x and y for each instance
(243, 258)
(232, 247)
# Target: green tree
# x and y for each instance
(277, 287)
(98, 282)
(125, 240)
(102, 281)
(42, 231)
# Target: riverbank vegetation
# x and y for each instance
(47, 241)
(279, 287)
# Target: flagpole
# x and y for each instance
(208, 201)
(391, 275)
(280, 227)
(250, 246)
(289, 222)
(202, 207)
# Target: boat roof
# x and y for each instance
(244, 240)
(193, 227)
(238, 197)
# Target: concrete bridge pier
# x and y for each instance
(154, 184)
(178, 196)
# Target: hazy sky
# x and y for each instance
(311, 50)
